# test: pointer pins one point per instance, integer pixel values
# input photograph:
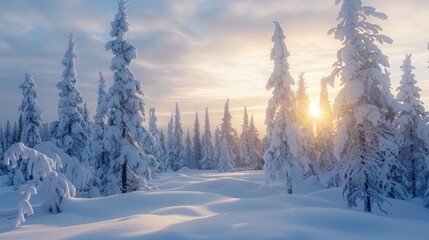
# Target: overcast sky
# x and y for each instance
(194, 52)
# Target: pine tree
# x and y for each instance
(208, 158)
(229, 132)
(178, 150)
(164, 149)
(227, 142)
(71, 132)
(188, 151)
(244, 142)
(305, 122)
(30, 113)
(325, 132)
(158, 151)
(99, 129)
(365, 140)
(171, 156)
(129, 165)
(196, 143)
(254, 146)
(412, 152)
(217, 136)
(282, 157)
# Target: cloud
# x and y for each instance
(195, 52)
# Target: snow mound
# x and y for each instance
(207, 205)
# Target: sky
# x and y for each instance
(194, 52)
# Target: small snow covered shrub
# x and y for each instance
(57, 187)
(25, 207)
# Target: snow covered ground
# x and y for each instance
(204, 205)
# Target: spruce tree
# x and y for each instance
(30, 113)
(189, 158)
(208, 155)
(129, 165)
(283, 162)
(365, 140)
(71, 133)
(244, 142)
(171, 154)
(196, 140)
(227, 142)
(305, 122)
(101, 163)
(254, 146)
(178, 149)
(157, 149)
(412, 152)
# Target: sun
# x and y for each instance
(314, 110)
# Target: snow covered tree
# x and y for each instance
(189, 158)
(129, 164)
(178, 149)
(171, 157)
(30, 113)
(56, 187)
(244, 142)
(25, 208)
(164, 150)
(325, 132)
(412, 152)
(157, 149)
(228, 142)
(282, 157)
(208, 155)
(217, 135)
(71, 133)
(101, 163)
(305, 122)
(225, 156)
(365, 140)
(254, 146)
(196, 140)
(229, 132)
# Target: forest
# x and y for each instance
(371, 142)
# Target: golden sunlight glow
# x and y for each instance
(315, 110)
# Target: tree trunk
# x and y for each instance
(413, 178)
(124, 177)
(288, 183)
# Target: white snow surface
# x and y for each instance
(194, 204)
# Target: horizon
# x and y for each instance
(189, 52)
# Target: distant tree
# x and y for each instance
(217, 135)
(208, 155)
(101, 163)
(227, 142)
(229, 132)
(305, 122)
(71, 134)
(414, 149)
(130, 166)
(282, 157)
(178, 150)
(196, 140)
(244, 159)
(365, 139)
(189, 157)
(254, 147)
(164, 149)
(30, 113)
(171, 156)
(157, 148)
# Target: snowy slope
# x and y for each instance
(204, 205)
